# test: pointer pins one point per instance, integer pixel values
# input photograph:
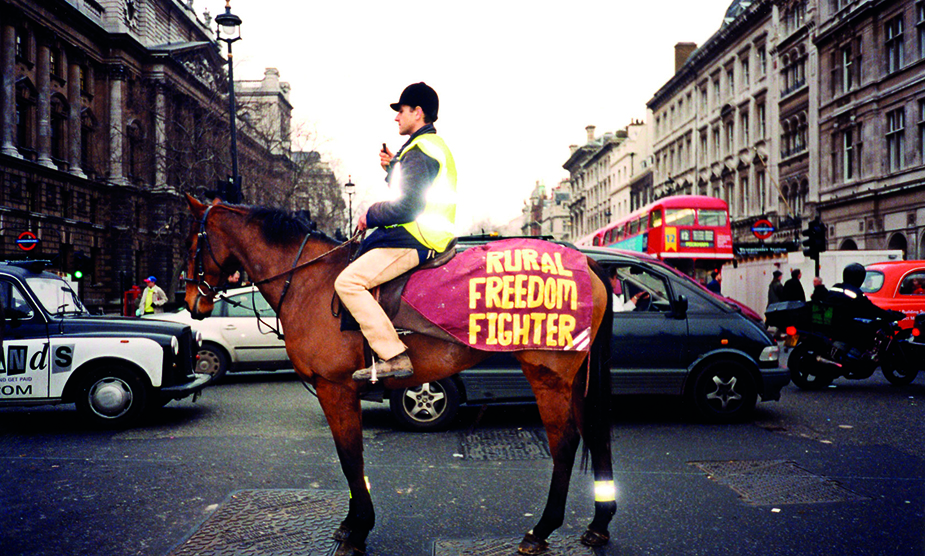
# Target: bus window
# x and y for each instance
(679, 217)
(643, 223)
(656, 218)
(708, 217)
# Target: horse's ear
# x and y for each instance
(194, 204)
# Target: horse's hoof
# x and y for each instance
(347, 549)
(532, 545)
(341, 533)
(593, 538)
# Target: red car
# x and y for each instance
(897, 285)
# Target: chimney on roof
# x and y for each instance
(590, 129)
(572, 149)
(683, 51)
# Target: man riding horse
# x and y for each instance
(415, 225)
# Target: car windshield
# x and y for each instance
(872, 282)
(55, 295)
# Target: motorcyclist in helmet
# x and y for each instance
(848, 294)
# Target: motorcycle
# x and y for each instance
(824, 350)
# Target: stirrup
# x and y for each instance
(396, 367)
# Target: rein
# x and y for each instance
(200, 281)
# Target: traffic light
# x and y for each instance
(81, 265)
(815, 239)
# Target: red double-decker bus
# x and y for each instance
(689, 232)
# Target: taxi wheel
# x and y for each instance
(112, 396)
(724, 391)
(212, 360)
(428, 407)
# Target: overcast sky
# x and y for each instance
(518, 81)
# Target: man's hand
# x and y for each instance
(385, 158)
(361, 223)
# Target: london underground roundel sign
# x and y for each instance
(763, 229)
(27, 241)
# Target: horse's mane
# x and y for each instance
(281, 227)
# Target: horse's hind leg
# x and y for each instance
(605, 504)
(562, 431)
(341, 407)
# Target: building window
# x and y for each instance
(716, 143)
(730, 131)
(920, 27)
(59, 114)
(745, 75)
(793, 72)
(731, 81)
(844, 157)
(703, 147)
(922, 131)
(762, 55)
(893, 31)
(20, 45)
(847, 155)
(762, 120)
(794, 17)
(744, 196)
(84, 80)
(847, 81)
(895, 138)
(716, 90)
(703, 99)
(762, 191)
(54, 63)
(743, 123)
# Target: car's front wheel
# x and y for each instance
(212, 360)
(112, 396)
(428, 407)
(724, 391)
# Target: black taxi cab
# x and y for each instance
(54, 351)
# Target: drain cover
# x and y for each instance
(505, 445)
(270, 523)
(765, 483)
(558, 546)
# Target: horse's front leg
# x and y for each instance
(553, 398)
(341, 405)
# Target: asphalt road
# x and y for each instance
(818, 473)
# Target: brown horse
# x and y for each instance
(295, 267)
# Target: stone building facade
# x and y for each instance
(716, 124)
(110, 110)
(872, 124)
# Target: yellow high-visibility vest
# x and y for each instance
(435, 227)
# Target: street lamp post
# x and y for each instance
(229, 31)
(348, 187)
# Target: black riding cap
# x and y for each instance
(419, 94)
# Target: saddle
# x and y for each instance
(404, 318)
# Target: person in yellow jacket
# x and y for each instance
(415, 225)
(152, 298)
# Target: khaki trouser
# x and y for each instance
(374, 267)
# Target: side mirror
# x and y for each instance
(680, 307)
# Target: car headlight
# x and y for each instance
(175, 344)
(770, 353)
(198, 338)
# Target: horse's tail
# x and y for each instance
(597, 421)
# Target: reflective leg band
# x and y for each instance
(604, 491)
(367, 485)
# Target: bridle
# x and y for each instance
(199, 266)
(202, 238)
